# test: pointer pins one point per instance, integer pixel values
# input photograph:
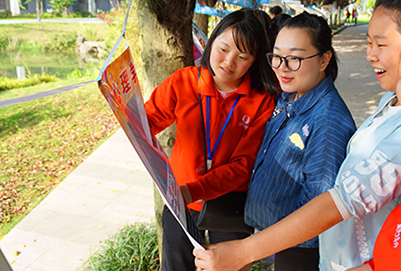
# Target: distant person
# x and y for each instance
(347, 16)
(356, 17)
(274, 11)
(277, 23)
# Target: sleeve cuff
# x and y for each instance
(196, 191)
(342, 208)
(371, 264)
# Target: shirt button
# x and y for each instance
(265, 151)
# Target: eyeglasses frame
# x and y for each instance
(286, 61)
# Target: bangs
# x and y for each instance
(243, 40)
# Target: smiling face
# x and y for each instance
(384, 49)
(297, 42)
(228, 62)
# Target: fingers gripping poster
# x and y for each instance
(118, 83)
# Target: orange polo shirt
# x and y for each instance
(176, 99)
(387, 249)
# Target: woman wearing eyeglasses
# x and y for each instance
(305, 140)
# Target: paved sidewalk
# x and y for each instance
(112, 188)
(42, 94)
(109, 190)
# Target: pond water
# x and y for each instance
(61, 64)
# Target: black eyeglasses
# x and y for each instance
(293, 63)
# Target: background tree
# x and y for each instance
(319, 3)
(165, 38)
(38, 10)
(39, 5)
(202, 21)
(371, 4)
(61, 6)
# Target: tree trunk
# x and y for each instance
(202, 21)
(166, 45)
(37, 11)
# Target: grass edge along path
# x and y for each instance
(42, 141)
(135, 247)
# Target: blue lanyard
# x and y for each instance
(209, 152)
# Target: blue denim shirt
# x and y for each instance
(303, 147)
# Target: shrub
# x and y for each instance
(5, 14)
(61, 42)
(7, 83)
(87, 14)
(134, 248)
(51, 15)
(77, 14)
(92, 34)
(61, 6)
(4, 42)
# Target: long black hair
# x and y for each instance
(320, 34)
(249, 36)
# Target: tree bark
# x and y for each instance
(37, 11)
(166, 45)
(202, 21)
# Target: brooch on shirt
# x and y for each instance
(277, 111)
(305, 130)
(297, 141)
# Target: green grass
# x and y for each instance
(39, 35)
(363, 19)
(42, 141)
(6, 15)
(7, 83)
(133, 248)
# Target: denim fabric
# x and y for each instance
(303, 147)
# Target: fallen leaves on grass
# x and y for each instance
(42, 141)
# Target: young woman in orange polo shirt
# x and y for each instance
(237, 89)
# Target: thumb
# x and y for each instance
(199, 252)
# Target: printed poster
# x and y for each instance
(119, 85)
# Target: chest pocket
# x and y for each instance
(295, 142)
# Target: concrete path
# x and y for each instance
(109, 190)
(42, 94)
(356, 80)
(112, 188)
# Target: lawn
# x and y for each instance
(41, 33)
(42, 141)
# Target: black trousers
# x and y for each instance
(297, 259)
(177, 249)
